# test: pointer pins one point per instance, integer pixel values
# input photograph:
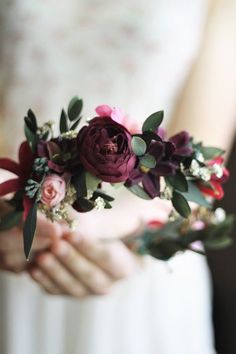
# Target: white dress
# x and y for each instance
(136, 55)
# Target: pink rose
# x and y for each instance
(53, 190)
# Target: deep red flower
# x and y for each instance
(105, 150)
(22, 170)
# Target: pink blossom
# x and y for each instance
(118, 116)
(53, 190)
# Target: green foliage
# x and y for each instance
(210, 153)
(139, 191)
(30, 129)
(153, 122)
(63, 122)
(178, 182)
(74, 108)
(195, 195)
(148, 161)
(138, 146)
(180, 204)
(29, 229)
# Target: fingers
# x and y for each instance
(84, 270)
(113, 257)
(46, 283)
(59, 275)
(14, 262)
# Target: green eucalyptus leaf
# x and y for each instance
(194, 195)
(79, 182)
(85, 204)
(29, 229)
(63, 122)
(106, 197)
(178, 181)
(181, 205)
(210, 153)
(139, 191)
(10, 220)
(92, 181)
(31, 137)
(75, 124)
(153, 122)
(74, 108)
(33, 120)
(138, 146)
(148, 161)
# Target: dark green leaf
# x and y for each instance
(138, 146)
(33, 120)
(10, 220)
(178, 182)
(148, 161)
(31, 137)
(85, 204)
(210, 153)
(29, 229)
(194, 195)
(75, 124)
(139, 191)
(63, 122)
(153, 122)
(74, 108)
(103, 195)
(181, 205)
(79, 182)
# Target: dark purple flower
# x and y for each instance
(181, 142)
(62, 154)
(150, 178)
(105, 150)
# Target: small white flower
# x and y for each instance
(199, 156)
(195, 168)
(205, 174)
(217, 170)
(99, 203)
(220, 215)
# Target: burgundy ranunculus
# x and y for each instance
(105, 150)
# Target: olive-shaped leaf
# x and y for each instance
(153, 122)
(138, 146)
(63, 122)
(181, 205)
(74, 108)
(29, 229)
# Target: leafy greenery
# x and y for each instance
(148, 161)
(210, 153)
(138, 146)
(180, 204)
(194, 195)
(139, 191)
(153, 122)
(178, 181)
(74, 108)
(29, 229)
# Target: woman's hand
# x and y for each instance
(80, 266)
(12, 256)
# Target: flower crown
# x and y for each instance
(70, 169)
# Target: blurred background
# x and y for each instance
(142, 56)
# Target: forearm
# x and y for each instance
(207, 106)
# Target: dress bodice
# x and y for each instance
(132, 54)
